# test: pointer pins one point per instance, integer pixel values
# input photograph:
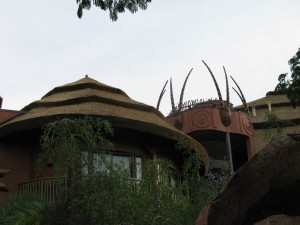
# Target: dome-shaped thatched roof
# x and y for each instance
(90, 97)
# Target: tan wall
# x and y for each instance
(284, 113)
(260, 140)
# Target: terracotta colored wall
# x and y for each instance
(202, 119)
(7, 114)
(16, 159)
(209, 119)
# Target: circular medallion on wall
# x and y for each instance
(202, 119)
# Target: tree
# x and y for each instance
(284, 82)
(64, 140)
(291, 86)
(274, 126)
(108, 196)
(114, 6)
(293, 92)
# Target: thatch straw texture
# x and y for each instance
(280, 105)
(90, 97)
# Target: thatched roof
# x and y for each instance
(90, 97)
(275, 98)
(280, 105)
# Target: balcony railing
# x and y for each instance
(51, 187)
(47, 187)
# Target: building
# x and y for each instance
(278, 104)
(225, 133)
(204, 122)
(140, 131)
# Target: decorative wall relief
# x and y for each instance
(246, 125)
(178, 124)
(202, 119)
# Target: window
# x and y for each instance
(130, 163)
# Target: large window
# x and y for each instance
(129, 163)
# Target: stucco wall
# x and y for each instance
(16, 159)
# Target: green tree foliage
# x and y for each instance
(284, 82)
(113, 6)
(24, 209)
(63, 141)
(291, 85)
(274, 125)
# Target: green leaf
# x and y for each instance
(79, 11)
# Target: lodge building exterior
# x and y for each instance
(203, 122)
(212, 128)
(140, 131)
(275, 102)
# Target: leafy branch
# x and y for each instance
(113, 6)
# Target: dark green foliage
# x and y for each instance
(295, 66)
(108, 196)
(114, 6)
(291, 86)
(113, 198)
(63, 141)
(24, 209)
(284, 82)
(274, 125)
(192, 163)
(116, 199)
(293, 91)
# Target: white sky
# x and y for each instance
(43, 45)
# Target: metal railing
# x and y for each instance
(51, 187)
(47, 187)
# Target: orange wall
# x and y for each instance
(210, 119)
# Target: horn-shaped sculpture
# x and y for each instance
(182, 90)
(216, 84)
(180, 104)
(241, 95)
(225, 111)
(238, 95)
(227, 89)
(161, 95)
(172, 97)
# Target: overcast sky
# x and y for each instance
(43, 44)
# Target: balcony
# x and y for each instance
(47, 187)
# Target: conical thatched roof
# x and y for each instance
(90, 97)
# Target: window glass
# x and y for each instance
(101, 162)
(138, 167)
(131, 164)
(122, 162)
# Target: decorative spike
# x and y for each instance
(238, 94)
(216, 84)
(227, 89)
(182, 90)
(241, 93)
(172, 97)
(161, 95)
(241, 96)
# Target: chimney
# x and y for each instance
(1, 100)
